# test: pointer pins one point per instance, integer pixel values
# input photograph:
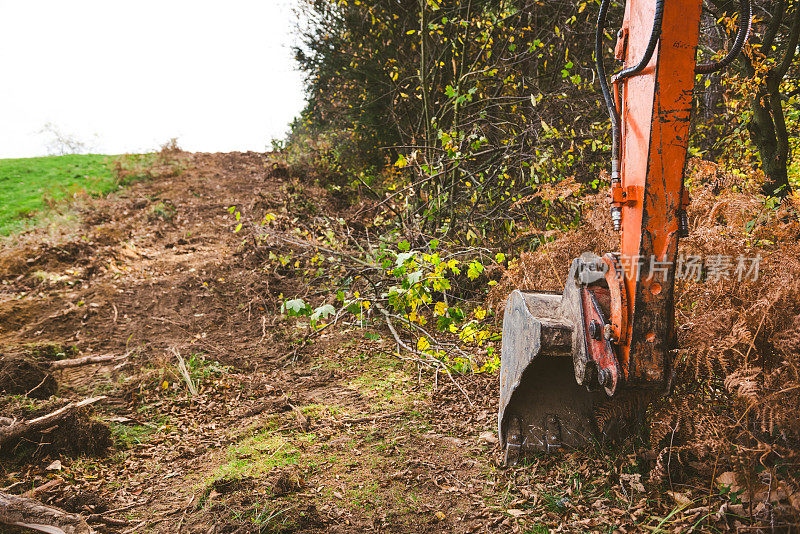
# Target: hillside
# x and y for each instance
(220, 413)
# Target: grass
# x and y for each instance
(257, 455)
(32, 188)
(127, 437)
(385, 381)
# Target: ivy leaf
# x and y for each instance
(415, 277)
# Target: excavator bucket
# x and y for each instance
(552, 368)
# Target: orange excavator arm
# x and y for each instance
(656, 105)
(613, 326)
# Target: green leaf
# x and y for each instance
(294, 307)
(404, 246)
(323, 311)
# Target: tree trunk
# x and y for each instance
(766, 135)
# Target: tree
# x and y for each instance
(770, 61)
(478, 101)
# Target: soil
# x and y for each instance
(285, 433)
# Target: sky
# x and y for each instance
(127, 76)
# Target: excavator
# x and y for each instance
(607, 338)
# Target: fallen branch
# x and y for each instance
(44, 487)
(305, 244)
(427, 358)
(30, 513)
(17, 430)
(85, 360)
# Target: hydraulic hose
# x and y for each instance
(745, 21)
(655, 35)
(613, 112)
(609, 99)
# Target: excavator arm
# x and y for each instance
(612, 328)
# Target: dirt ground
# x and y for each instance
(283, 433)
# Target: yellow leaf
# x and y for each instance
(238, 227)
(440, 308)
(423, 344)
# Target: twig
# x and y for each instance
(304, 341)
(326, 250)
(46, 376)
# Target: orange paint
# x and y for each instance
(655, 112)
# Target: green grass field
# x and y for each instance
(30, 188)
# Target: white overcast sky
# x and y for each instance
(126, 76)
